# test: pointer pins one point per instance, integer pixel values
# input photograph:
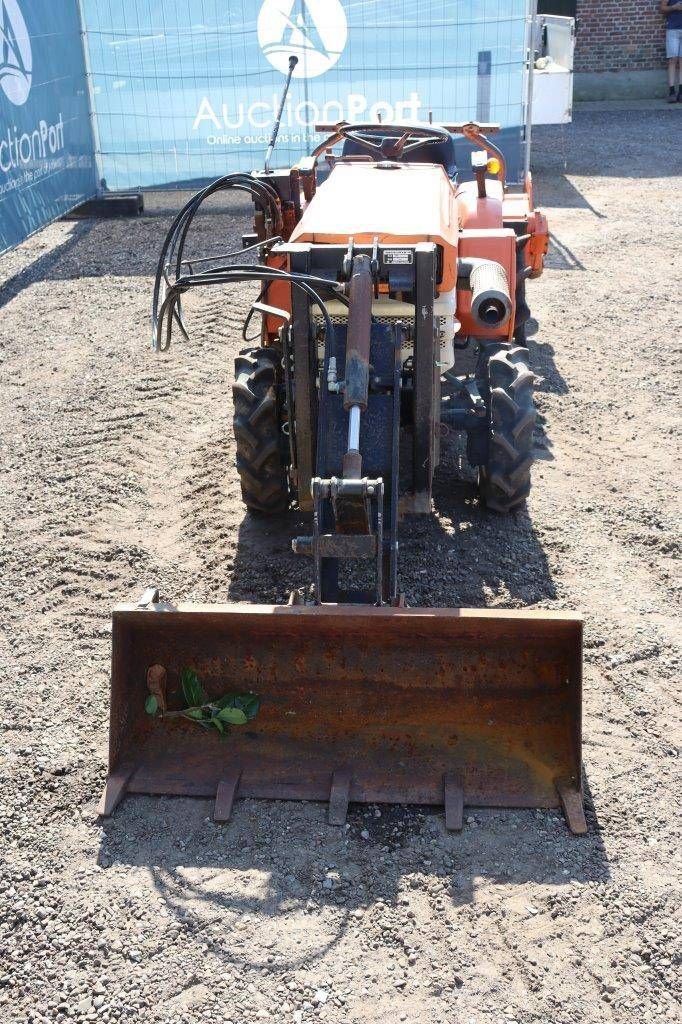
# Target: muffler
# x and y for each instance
(395, 705)
(491, 304)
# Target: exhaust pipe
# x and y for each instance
(491, 304)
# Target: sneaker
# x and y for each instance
(672, 98)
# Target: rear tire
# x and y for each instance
(504, 477)
(257, 431)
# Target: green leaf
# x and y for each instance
(191, 687)
(249, 703)
(151, 705)
(196, 713)
(217, 723)
(226, 701)
(235, 716)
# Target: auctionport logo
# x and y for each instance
(315, 31)
(16, 60)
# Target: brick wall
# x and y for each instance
(615, 35)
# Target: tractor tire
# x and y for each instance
(260, 459)
(504, 477)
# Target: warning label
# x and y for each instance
(398, 256)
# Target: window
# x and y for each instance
(565, 7)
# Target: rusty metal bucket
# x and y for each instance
(398, 705)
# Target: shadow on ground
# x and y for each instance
(461, 555)
(281, 862)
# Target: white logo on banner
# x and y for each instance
(16, 60)
(315, 31)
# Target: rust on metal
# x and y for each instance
(406, 696)
(573, 806)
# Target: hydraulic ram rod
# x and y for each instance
(356, 391)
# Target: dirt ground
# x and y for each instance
(117, 471)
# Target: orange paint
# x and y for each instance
(365, 201)
(487, 244)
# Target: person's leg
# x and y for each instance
(672, 53)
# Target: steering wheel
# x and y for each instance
(394, 140)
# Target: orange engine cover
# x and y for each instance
(400, 203)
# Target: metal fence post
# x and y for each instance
(531, 18)
(89, 85)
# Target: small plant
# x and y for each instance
(218, 714)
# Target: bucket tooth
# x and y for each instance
(225, 796)
(454, 803)
(115, 789)
(573, 807)
(339, 796)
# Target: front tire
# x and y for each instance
(504, 476)
(257, 431)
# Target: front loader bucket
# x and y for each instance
(454, 706)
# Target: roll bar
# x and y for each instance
(456, 128)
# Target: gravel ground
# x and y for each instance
(117, 470)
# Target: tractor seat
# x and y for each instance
(442, 153)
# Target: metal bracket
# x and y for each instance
(470, 408)
(347, 263)
(351, 502)
(266, 310)
(470, 386)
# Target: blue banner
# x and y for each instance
(47, 161)
(188, 89)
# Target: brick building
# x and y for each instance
(620, 46)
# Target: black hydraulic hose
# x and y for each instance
(183, 229)
(236, 184)
(230, 255)
(234, 274)
(262, 192)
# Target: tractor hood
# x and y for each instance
(396, 203)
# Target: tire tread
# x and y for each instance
(261, 468)
(504, 481)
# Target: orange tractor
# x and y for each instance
(375, 268)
